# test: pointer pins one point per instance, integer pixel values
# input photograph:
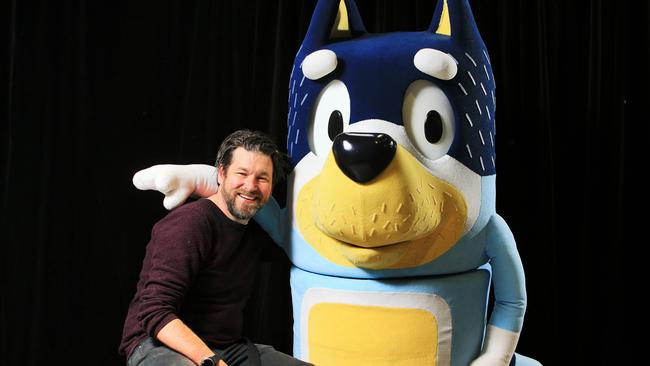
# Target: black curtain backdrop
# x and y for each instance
(95, 91)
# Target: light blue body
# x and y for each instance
(376, 71)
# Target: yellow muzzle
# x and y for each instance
(405, 217)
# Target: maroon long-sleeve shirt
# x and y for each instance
(199, 267)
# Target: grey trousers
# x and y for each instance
(150, 352)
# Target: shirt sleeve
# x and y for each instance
(179, 244)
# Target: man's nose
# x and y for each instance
(250, 183)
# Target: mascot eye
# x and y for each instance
(428, 119)
(433, 127)
(330, 116)
(335, 125)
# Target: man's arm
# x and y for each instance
(179, 337)
(173, 258)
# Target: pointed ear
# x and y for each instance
(348, 22)
(440, 22)
(454, 18)
(333, 19)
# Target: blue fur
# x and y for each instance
(378, 68)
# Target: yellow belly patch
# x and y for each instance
(343, 334)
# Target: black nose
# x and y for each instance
(362, 156)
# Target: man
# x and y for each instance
(199, 268)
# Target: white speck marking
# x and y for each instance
(469, 120)
(487, 57)
(471, 77)
(462, 88)
(470, 58)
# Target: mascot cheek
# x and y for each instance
(403, 218)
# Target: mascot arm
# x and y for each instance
(273, 220)
(507, 317)
(178, 182)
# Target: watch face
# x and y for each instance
(210, 361)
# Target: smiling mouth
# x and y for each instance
(373, 257)
(248, 197)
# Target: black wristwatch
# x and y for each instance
(210, 361)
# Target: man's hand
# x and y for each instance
(178, 182)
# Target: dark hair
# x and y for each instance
(254, 141)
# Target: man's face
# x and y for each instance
(246, 184)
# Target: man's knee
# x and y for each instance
(167, 359)
(160, 355)
(272, 357)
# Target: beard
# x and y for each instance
(246, 210)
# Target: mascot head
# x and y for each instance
(391, 137)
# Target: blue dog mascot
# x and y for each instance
(390, 220)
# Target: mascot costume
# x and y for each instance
(390, 220)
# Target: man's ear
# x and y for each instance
(221, 175)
